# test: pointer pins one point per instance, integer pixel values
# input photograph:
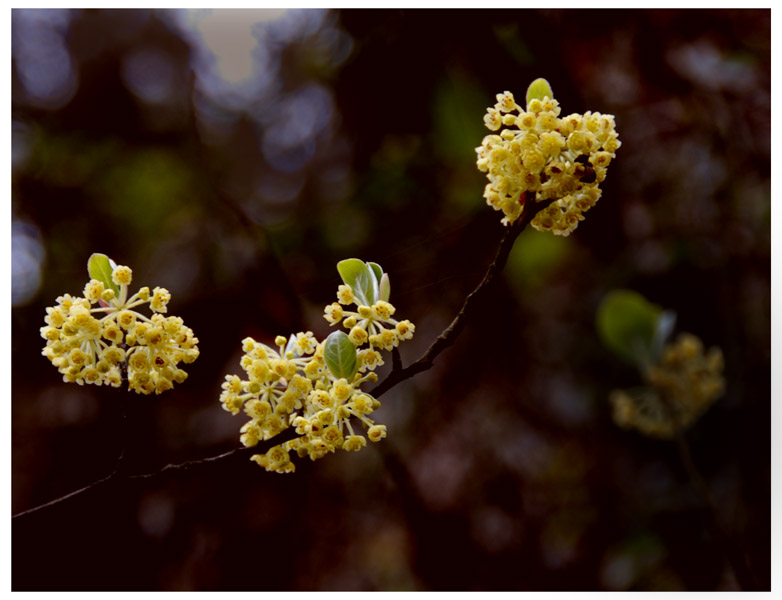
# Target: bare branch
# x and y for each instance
(118, 474)
(396, 376)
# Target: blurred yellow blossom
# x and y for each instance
(680, 388)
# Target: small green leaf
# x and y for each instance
(100, 267)
(385, 287)
(377, 270)
(539, 89)
(361, 278)
(340, 355)
(628, 324)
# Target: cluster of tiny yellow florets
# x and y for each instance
(293, 387)
(684, 384)
(373, 326)
(101, 339)
(538, 156)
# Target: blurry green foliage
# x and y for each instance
(458, 107)
(69, 160)
(513, 42)
(144, 187)
(632, 326)
(535, 256)
(345, 227)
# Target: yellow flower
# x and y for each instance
(126, 319)
(89, 345)
(376, 433)
(386, 339)
(112, 332)
(332, 436)
(405, 330)
(258, 370)
(340, 390)
(160, 299)
(292, 386)
(492, 119)
(540, 157)
(551, 142)
(362, 404)
(345, 294)
(122, 275)
(358, 335)
(527, 120)
(306, 343)
(506, 103)
(276, 459)
(333, 313)
(93, 290)
(320, 399)
(251, 434)
(369, 359)
(354, 443)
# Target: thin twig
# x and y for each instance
(118, 475)
(449, 335)
(78, 492)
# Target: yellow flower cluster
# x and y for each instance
(292, 386)
(101, 339)
(538, 156)
(370, 325)
(680, 389)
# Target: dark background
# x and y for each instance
(354, 137)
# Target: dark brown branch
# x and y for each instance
(79, 492)
(118, 475)
(241, 452)
(449, 335)
(396, 376)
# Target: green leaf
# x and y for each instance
(457, 98)
(536, 256)
(628, 324)
(377, 270)
(385, 287)
(539, 89)
(361, 278)
(340, 355)
(100, 267)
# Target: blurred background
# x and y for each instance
(234, 157)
